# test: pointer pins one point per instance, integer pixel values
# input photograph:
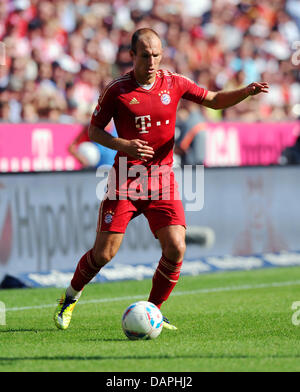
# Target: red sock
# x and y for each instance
(164, 280)
(86, 270)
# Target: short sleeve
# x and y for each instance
(105, 108)
(190, 90)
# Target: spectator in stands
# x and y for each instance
(291, 155)
(5, 111)
(190, 145)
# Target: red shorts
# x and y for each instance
(114, 215)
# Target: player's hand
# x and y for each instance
(257, 88)
(139, 149)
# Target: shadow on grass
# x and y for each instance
(54, 330)
(143, 357)
(22, 330)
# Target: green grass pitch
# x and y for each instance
(231, 321)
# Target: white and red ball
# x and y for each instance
(142, 320)
(90, 152)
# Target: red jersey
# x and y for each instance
(147, 114)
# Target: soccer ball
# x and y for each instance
(90, 152)
(142, 320)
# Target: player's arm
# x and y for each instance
(135, 148)
(102, 115)
(225, 99)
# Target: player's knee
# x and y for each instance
(175, 250)
(102, 257)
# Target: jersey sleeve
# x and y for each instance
(190, 90)
(105, 108)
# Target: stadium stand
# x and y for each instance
(61, 53)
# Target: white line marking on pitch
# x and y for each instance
(176, 293)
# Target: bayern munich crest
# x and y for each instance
(108, 217)
(165, 97)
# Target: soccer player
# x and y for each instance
(143, 106)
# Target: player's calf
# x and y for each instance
(164, 280)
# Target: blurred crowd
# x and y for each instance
(60, 53)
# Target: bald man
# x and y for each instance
(143, 105)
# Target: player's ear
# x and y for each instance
(132, 53)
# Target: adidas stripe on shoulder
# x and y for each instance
(113, 83)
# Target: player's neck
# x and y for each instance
(144, 81)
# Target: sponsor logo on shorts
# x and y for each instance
(108, 217)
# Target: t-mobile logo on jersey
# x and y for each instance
(141, 124)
